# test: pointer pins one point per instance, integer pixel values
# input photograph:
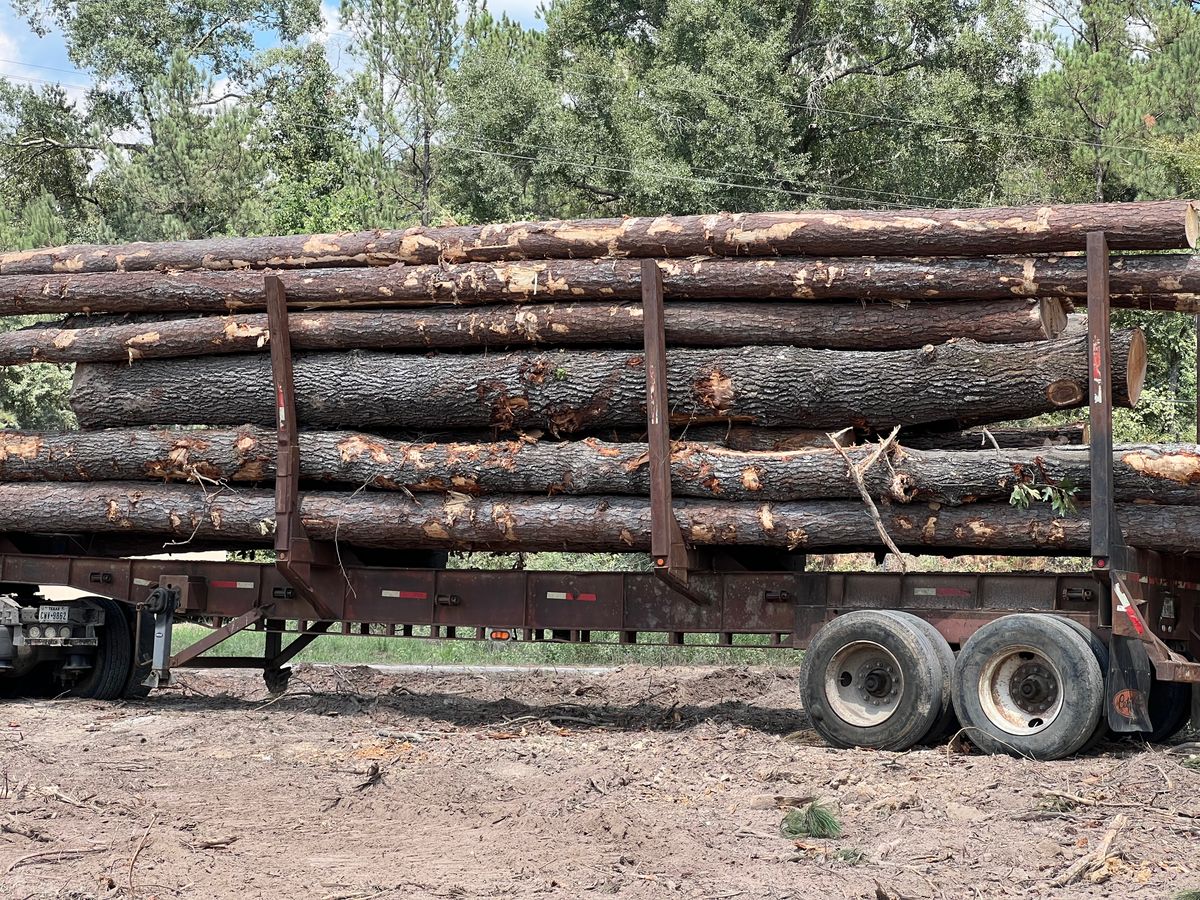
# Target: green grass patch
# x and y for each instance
(699, 649)
(814, 820)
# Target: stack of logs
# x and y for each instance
(483, 387)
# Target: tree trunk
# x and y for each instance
(1162, 473)
(1162, 225)
(1134, 278)
(849, 326)
(573, 391)
(581, 524)
(1006, 438)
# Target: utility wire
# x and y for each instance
(975, 129)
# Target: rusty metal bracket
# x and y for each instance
(1116, 565)
(305, 563)
(670, 555)
(217, 635)
(1108, 544)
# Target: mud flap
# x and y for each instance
(1128, 685)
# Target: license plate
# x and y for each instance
(54, 614)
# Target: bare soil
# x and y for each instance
(642, 783)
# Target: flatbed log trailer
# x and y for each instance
(1045, 661)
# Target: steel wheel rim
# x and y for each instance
(1021, 690)
(863, 684)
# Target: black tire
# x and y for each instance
(1028, 652)
(1170, 706)
(947, 722)
(1100, 651)
(889, 695)
(111, 668)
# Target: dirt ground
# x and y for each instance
(641, 783)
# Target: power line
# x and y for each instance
(17, 62)
(712, 182)
(817, 192)
(32, 80)
(1001, 132)
(775, 183)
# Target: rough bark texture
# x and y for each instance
(1007, 438)
(849, 326)
(789, 278)
(1159, 225)
(573, 391)
(568, 523)
(1163, 473)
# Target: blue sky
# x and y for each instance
(31, 60)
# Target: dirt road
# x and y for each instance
(642, 783)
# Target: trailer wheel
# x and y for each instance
(1170, 707)
(947, 721)
(1029, 685)
(872, 679)
(110, 672)
(1100, 651)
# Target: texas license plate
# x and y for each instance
(54, 614)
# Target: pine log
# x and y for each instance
(190, 513)
(1161, 225)
(1159, 473)
(1143, 277)
(567, 392)
(1011, 438)
(746, 437)
(848, 326)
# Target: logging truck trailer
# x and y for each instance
(1039, 664)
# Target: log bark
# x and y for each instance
(848, 326)
(1031, 437)
(470, 284)
(1161, 225)
(1159, 473)
(568, 392)
(188, 513)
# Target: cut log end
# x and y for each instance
(1191, 224)
(1135, 372)
(1053, 316)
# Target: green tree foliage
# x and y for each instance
(302, 142)
(196, 176)
(1121, 97)
(32, 396)
(135, 41)
(685, 106)
(407, 50)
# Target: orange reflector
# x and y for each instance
(501, 635)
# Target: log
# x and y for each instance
(568, 392)
(1012, 438)
(467, 284)
(1160, 473)
(1161, 225)
(582, 524)
(848, 326)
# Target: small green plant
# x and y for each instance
(1060, 496)
(814, 820)
(850, 855)
(1058, 803)
(1192, 762)
(1186, 895)
(560, 374)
